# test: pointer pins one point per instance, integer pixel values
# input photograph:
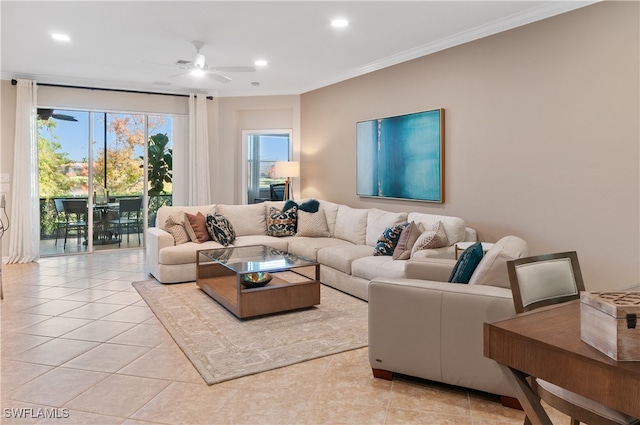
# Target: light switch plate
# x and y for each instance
(4, 187)
(4, 177)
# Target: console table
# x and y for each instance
(546, 343)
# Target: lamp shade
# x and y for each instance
(286, 169)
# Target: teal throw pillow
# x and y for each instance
(310, 206)
(389, 239)
(467, 263)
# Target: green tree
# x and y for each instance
(160, 157)
(53, 180)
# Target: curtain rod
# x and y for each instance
(14, 82)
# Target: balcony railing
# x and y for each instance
(48, 212)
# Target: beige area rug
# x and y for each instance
(223, 347)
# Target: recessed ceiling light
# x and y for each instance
(60, 37)
(260, 62)
(340, 23)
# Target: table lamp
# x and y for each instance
(287, 169)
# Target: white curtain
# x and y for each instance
(199, 187)
(24, 241)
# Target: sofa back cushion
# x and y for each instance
(454, 227)
(246, 219)
(351, 225)
(492, 269)
(378, 221)
(165, 211)
(330, 213)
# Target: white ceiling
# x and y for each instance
(133, 45)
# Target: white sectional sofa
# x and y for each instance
(346, 257)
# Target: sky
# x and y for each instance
(74, 136)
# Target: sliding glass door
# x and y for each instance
(115, 168)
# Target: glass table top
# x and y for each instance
(256, 258)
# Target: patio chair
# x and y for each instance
(76, 215)
(128, 217)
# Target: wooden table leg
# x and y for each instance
(528, 399)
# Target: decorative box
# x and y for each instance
(609, 323)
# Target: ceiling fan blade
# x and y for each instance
(220, 78)
(233, 68)
(177, 75)
(64, 117)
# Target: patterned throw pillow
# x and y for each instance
(196, 227)
(175, 226)
(389, 239)
(313, 225)
(282, 223)
(467, 263)
(220, 229)
(433, 237)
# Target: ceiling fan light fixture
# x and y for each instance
(198, 60)
(60, 37)
(339, 23)
(260, 62)
(197, 72)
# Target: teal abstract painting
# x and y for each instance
(401, 157)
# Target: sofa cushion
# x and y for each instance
(378, 221)
(312, 225)
(220, 229)
(330, 211)
(282, 223)
(280, 243)
(196, 226)
(466, 264)
(381, 266)
(492, 270)
(433, 237)
(408, 238)
(351, 224)
(388, 240)
(454, 227)
(175, 226)
(341, 257)
(185, 253)
(246, 219)
(309, 247)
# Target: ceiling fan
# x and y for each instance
(198, 66)
(45, 114)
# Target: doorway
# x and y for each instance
(97, 163)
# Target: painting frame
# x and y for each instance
(401, 157)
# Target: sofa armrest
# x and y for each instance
(470, 235)
(434, 330)
(155, 240)
(436, 269)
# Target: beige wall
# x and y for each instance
(249, 113)
(541, 135)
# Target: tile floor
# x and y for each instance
(79, 343)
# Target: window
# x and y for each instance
(263, 149)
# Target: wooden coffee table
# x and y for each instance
(295, 280)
